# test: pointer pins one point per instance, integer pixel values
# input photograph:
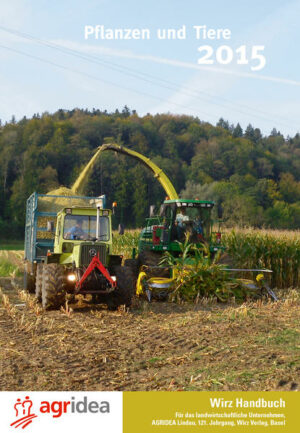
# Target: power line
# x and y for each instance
(57, 65)
(143, 76)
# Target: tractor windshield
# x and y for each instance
(193, 221)
(83, 227)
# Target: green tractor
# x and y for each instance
(69, 251)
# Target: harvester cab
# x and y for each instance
(179, 219)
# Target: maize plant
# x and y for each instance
(198, 275)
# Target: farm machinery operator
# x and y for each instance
(184, 224)
(76, 232)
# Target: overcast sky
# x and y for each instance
(150, 75)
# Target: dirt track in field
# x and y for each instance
(152, 347)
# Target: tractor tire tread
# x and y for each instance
(133, 265)
(124, 292)
(53, 286)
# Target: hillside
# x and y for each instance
(256, 178)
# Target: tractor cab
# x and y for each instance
(84, 227)
(81, 232)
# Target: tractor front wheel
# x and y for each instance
(53, 286)
(133, 265)
(124, 292)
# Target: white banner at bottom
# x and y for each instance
(77, 412)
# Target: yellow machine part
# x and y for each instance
(139, 283)
(153, 283)
(82, 178)
(158, 173)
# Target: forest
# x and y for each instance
(254, 178)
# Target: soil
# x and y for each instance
(159, 346)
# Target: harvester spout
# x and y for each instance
(158, 173)
(80, 181)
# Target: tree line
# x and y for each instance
(255, 178)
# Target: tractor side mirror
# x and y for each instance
(121, 229)
(152, 211)
(50, 226)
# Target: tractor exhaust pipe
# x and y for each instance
(98, 223)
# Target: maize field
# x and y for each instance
(276, 250)
(271, 249)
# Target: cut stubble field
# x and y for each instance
(162, 346)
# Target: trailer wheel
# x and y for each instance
(29, 278)
(53, 286)
(124, 292)
(39, 281)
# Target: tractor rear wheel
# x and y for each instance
(39, 281)
(53, 286)
(124, 292)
